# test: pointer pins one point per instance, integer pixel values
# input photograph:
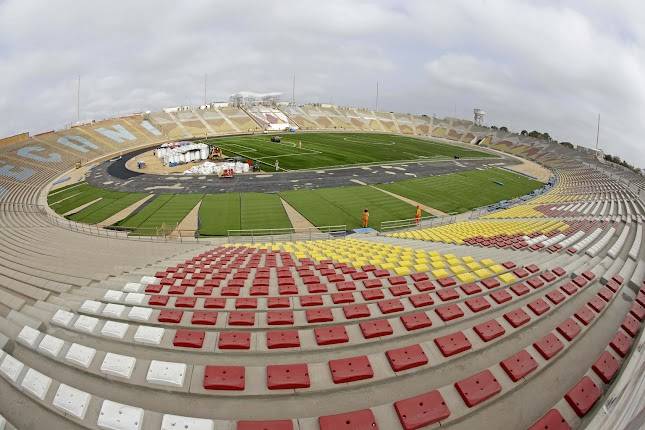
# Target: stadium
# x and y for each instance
(498, 282)
(338, 215)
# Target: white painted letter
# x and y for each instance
(151, 128)
(28, 152)
(119, 134)
(84, 143)
(19, 173)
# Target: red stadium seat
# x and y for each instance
(519, 365)
(489, 330)
(552, 420)
(548, 346)
(606, 367)
(406, 358)
(224, 378)
(478, 388)
(330, 335)
(416, 321)
(582, 396)
(517, 317)
(423, 410)
(569, 329)
(234, 340)
(358, 420)
(453, 343)
(189, 338)
(375, 328)
(449, 312)
(282, 339)
(350, 369)
(287, 376)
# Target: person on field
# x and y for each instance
(365, 218)
(277, 165)
(417, 215)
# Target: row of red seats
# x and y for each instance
(585, 394)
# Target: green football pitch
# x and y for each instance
(221, 213)
(324, 150)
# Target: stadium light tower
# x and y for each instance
(78, 100)
(293, 90)
(205, 79)
(376, 107)
(598, 133)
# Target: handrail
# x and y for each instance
(410, 223)
(404, 223)
(155, 234)
(286, 234)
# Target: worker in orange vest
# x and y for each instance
(417, 215)
(365, 218)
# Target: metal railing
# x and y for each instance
(44, 213)
(172, 233)
(405, 223)
(425, 222)
(273, 235)
(147, 234)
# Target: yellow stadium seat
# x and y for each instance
(466, 277)
(507, 278)
(402, 271)
(421, 267)
(497, 268)
(483, 273)
(438, 264)
(473, 266)
(440, 273)
(458, 269)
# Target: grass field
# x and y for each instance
(241, 211)
(167, 213)
(219, 213)
(460, 192)
(75, 197)
(322, 150)
(110, 204)
(345, 205)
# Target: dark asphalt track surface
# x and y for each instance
(113, 174)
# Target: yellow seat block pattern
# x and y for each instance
(399, 259)
(456, 233)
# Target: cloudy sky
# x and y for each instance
(546, 65)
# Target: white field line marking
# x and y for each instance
(290, 155)
(365, 142)
(240, 146)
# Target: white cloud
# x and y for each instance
(546, 65)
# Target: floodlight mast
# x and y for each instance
(78, 100)
(598, 132)
(293, 90)
(376, 107)
(205, 79)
